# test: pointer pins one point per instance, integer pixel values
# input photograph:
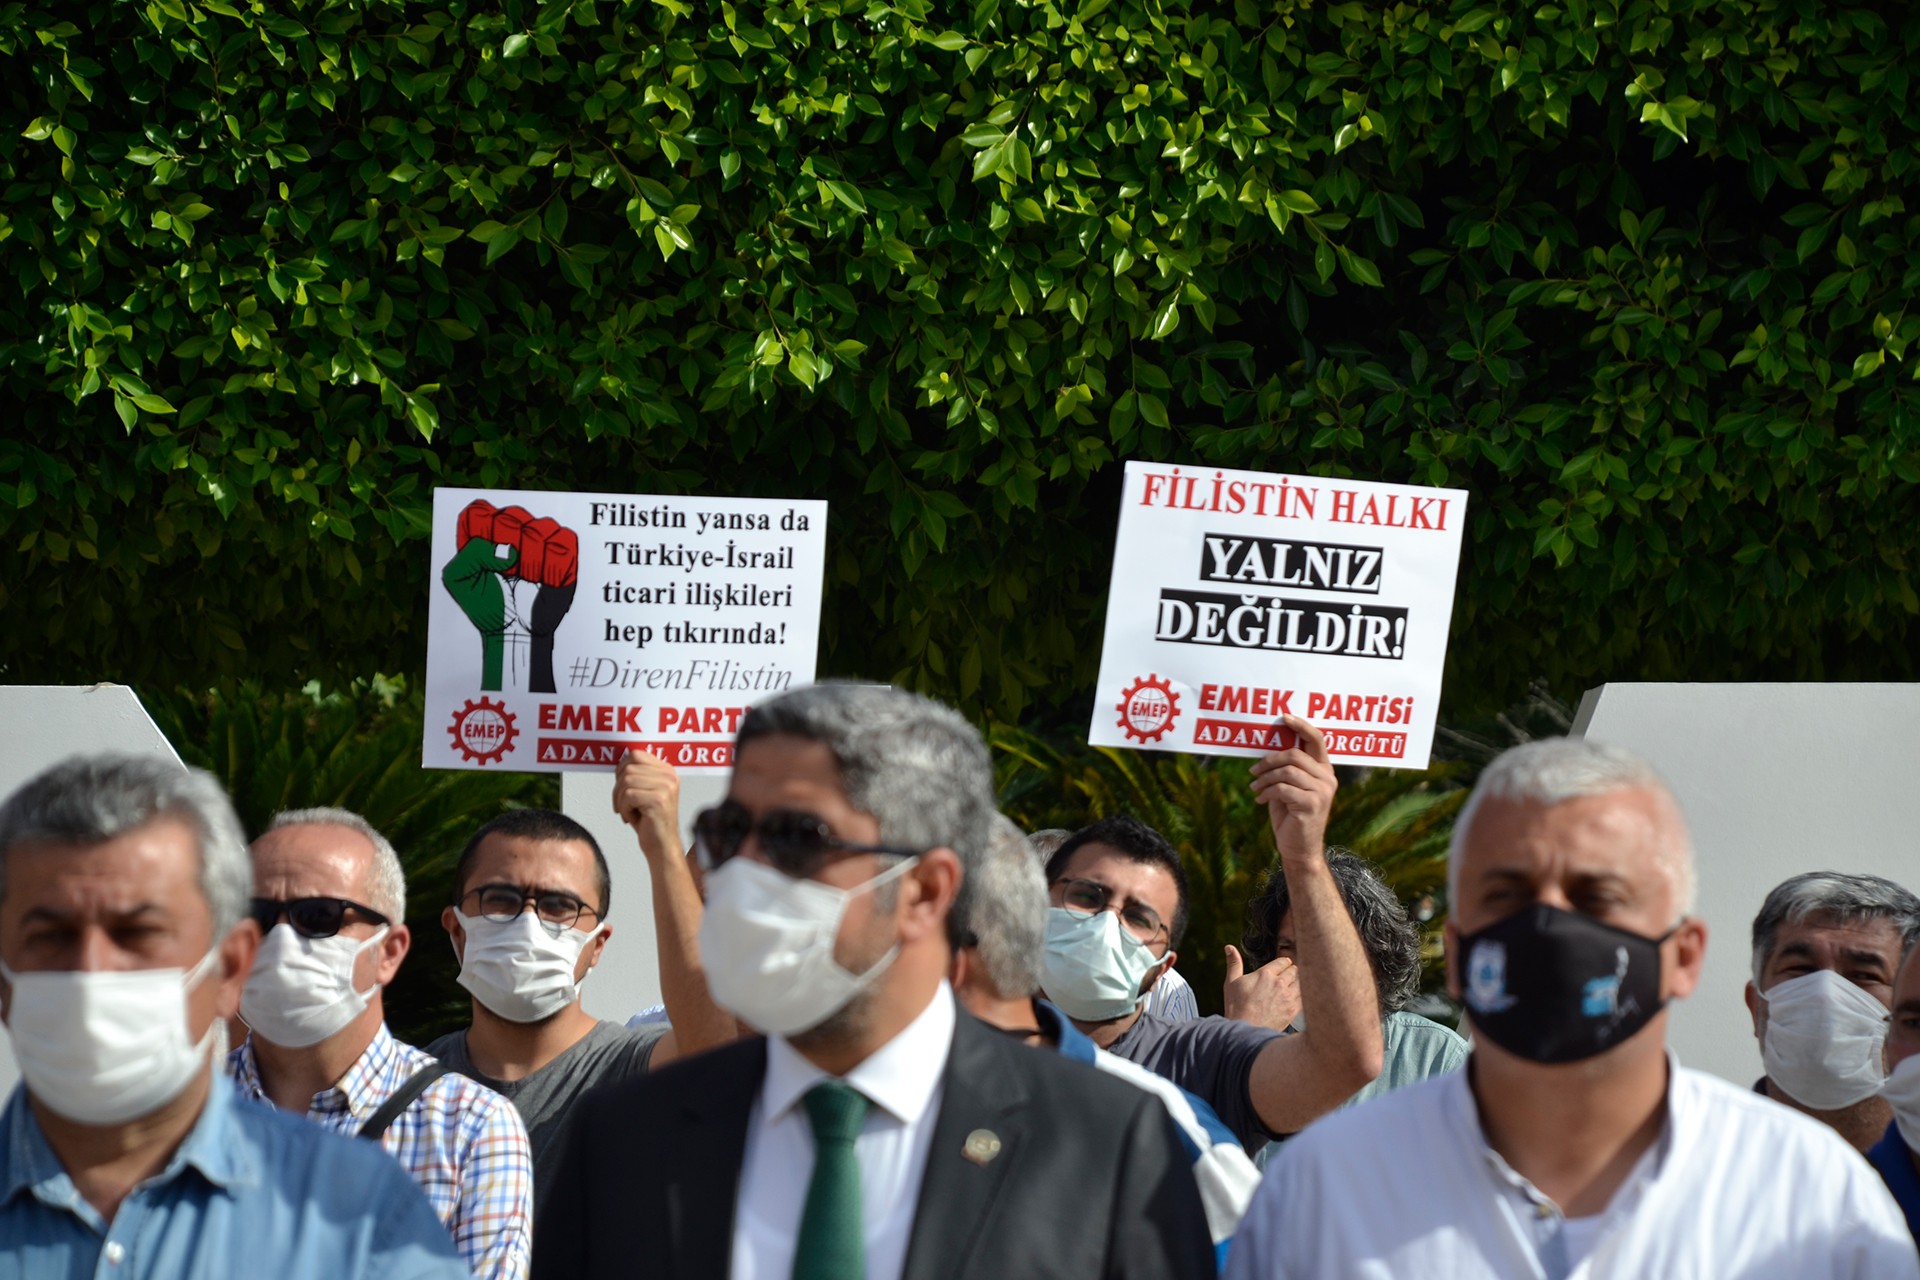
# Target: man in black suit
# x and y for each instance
(876, 1133)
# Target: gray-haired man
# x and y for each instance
(330, 897)
(999, 928)
(1826, 949)
(1573, 1144)
(124, 944)
(876, 1131)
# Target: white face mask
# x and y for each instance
(1823, 1039)
(300, 990)
(767, 944)
(1094, 969)
(518, 969)
(1902, 1092)
(103, 1048)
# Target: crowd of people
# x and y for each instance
(901, 1039)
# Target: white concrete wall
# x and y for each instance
(628, 977)
(43, 724)
(1775, 779)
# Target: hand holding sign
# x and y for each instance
(1240, 596)
(646, 795)
(1297, 786)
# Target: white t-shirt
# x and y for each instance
(1738, 1188)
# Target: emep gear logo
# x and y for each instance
(483, 731)
(1148, 709)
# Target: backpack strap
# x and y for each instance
(418, 1083)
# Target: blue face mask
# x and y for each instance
(1094, 969)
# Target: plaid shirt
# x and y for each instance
(462, 1143)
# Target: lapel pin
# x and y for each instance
(982, 1146)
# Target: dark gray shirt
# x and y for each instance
(605, 1055)
(1212, 1057)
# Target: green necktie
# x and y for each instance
(832, 1243)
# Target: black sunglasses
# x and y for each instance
(310, 917)
(793, 842)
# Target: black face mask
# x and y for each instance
(1552, 986)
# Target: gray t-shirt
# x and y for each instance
(605, 1055)
(1415, 1048)
(1212, 1057)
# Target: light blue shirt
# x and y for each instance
(251, 1190)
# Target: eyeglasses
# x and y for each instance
(1090, 896)
(555, 908)
(794, 842)
(310, 917)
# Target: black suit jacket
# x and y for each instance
(1090, 1179)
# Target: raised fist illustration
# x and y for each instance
(546, 554)
(472, 578)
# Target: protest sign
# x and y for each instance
(565, 628)
(1239, 597)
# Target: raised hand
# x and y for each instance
(1267, 997)
(646, 795)
(1297, 786)
(472, 578)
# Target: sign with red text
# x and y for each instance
(565, 628)
(1239, 597)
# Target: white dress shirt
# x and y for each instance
(1736, 1188)
(904, 1080)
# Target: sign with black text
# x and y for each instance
(1239, 597)
(565, 628)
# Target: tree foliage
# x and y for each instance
(1635, 273)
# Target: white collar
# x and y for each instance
(900, 1076)
(1463, 1113)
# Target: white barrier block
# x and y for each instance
(1775, 779)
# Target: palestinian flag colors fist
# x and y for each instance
(549, 551)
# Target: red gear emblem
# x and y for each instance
(483, 730)
(1148, 709)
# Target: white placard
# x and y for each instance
(565, 628)
(1242, 596)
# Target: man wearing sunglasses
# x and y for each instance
(330, 902)
(124, 948)
(529, 922)
(1119, 900)
(875, 1133)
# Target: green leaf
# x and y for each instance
(500, 242)
(992, 160)
(847, 194)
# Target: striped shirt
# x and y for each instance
(1172, 998)
(460, 1141)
